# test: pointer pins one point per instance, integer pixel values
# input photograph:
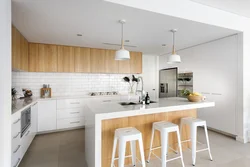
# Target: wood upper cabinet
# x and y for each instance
(111, 65)
(42, 58)
(124, 66)
(82, 59)
(66, 59)
(19, 51)
(34, 62)
(135, 62)
(97, 60)
(48, 55)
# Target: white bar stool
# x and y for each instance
(193, 124)
(124, 135)
(165, 128)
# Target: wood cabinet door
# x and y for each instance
(24, 59)
(135, 62)
(111, 65)
(47, 57)
(124, 66)
(82, 59)
(66, 62)
(16, 56)
(97, 60)
(34, 63)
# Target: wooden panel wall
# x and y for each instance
(144, 124)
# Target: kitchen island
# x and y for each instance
(103, 119)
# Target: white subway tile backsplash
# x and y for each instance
(69, 83)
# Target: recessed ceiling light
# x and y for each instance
(127, 40)
(79, 35)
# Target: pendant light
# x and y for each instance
(122, 54)
(174, 58)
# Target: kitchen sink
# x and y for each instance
(133, 103)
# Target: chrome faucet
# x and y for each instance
(141, 91)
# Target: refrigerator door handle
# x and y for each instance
(166, 87)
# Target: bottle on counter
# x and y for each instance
(147, 99)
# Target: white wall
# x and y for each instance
(5, 83)
(215, 74)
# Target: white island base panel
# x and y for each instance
(104, 118)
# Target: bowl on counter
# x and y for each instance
(194, 98)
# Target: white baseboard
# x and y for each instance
(241, 139)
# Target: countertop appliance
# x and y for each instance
(25, 120)
(168, 82)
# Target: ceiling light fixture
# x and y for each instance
(174, 58)
(122, 54)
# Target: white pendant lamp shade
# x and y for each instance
(122, 54)
(174, 58)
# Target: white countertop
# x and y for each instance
(110, 110)
(21, 104)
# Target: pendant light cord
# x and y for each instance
(173, 51)
(122, 42)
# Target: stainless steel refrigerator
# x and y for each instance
(168, 82)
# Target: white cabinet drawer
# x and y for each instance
(16, 123)
(70, 103)
(70, 113)
(16, 156)
(70, 123)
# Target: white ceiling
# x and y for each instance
(58, 22)
(239, 7)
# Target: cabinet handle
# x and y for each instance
(16, 135)
(17, 162)
(17, 121)
(205, 93)
(75, 122)
(17, 149)
(216, 94)
(106, 101)
(27, 133)
(74, 112)
(75, 103)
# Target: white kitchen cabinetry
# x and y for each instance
(46, 115)
(16, 141)
(71, 113)
(26, 141)
(214, 67)
(34, 112)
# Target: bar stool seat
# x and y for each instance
(193, 123)
(165, 128)
(125, 135)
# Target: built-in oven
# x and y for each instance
(25, 120)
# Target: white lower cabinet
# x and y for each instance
(70, 113)
(34, 123)
(70, 123)
(46, 115)
(26, 141)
